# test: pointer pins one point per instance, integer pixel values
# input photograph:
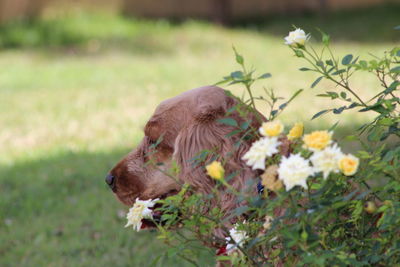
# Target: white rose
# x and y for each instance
(294, 170)
(238, 239)
(139, 211)
(296, 38)
(327, 160)
(260, 150)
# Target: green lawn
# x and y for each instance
(75, 93)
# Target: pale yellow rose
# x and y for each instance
(269, 179)
(215, 170)
(296, 131)
(271, 128)
(317, 140)
(296, 38)
(348, 164)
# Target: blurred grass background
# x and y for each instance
(77, 88)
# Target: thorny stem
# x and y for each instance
(251, 95)
(383, 82)
(327, 76)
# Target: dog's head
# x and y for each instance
(186, 125)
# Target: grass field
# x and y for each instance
(76, 91)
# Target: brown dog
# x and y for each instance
(188, 124)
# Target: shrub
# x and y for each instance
(317, 205)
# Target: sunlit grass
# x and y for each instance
(101, 100)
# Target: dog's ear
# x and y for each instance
(211, 105)
(205, 133)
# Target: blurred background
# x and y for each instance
(79, 78)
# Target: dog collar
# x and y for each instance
(222, 251)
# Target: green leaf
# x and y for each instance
(234, 132)
(385, 121)
(237, 75)
(320, 113)
(343, 95)
(339, 72)
(325, 37)
(239, 58)
(305, 69)
(395, 70)
(283, 106)
(333, 95)
(338, 110)
(363, 64)
(329, 62)
(393, 86)
(352, 105)
(245, 125)
(347, 59)
(228, 121)
(299, 53)
(265, 76)
(316, 81)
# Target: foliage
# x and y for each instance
(350, 218)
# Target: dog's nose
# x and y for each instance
(110, 180)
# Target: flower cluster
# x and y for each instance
(323, 156)
(140, 210)
(266, 146)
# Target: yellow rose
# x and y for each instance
(348, 164)
(317, 140)
(215, 170)
(271, 128)
(370, 207)
(296, 131)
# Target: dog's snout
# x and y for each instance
(110, 180)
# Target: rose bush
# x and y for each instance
(316, 206)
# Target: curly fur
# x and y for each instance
(188, 124)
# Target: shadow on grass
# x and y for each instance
(57, 211)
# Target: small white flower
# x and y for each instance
(294, 170)
(238, 236)
(327, 160)
(296, 37)
(139, 211)
(260, 150)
